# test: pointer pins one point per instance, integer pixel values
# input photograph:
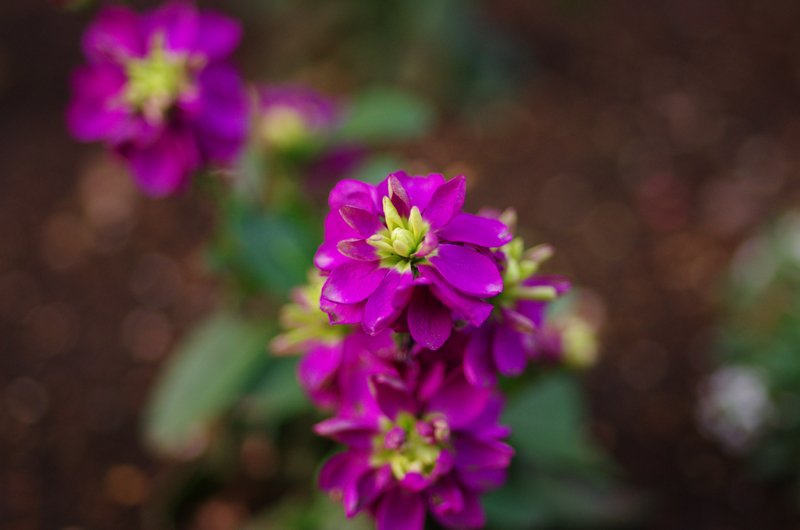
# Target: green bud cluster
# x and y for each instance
(305, 321)
(402, 238)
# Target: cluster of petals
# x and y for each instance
(423, 440)
(159, 90)
(402, 255)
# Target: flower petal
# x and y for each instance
(470, 517)
(457, 400)
(429, 321)
(352, 193)
(415, 481)
(362, 221)
(165, 166)
(177, 22)
(485, 426)
(399, 196)
(343, 313)
(445, 496)
(353, 281)
(113, 36)
(473, 454)
(483, 479)
(388, 300)
(479, 367)
(357, 249)
(357, 434)
(467, 270)
(368, 488)
(94, 113)
(446, 202)
(474, 310)
(468, 228)
(219, 35)
(222, 122)
(319, 365)
(508, 351)
(328, 256)
(341, 472)
(431, 380)
(400, 510)
(392, 395)
(420, 189)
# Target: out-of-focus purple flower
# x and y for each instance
(507, 340)
(403, 254)
(293, 117)
(160, 91)
(433, 444)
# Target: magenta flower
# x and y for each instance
(433, 444)
(402, 254)
(159, 90)
(292, 117)
(335, 376)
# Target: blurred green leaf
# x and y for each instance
(535, 499)
(215, 365)
(377, 168)
(278, 396)
(379, 115)
(266, 251)
(511, 508)
(548, 419)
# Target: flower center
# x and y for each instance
(410, 445)
(405, 238)
(156, 81)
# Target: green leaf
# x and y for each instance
(214, 366)
(377, 168)
(278, 396)
(548, 419)
(511, 508)
(381, 115)
(268, 251)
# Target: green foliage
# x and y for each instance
(548, 418)
(278, 395)
(216, 364)
(376, 168)
(382, 115)
(558, 476)
(267, 252)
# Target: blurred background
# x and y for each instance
(645, 140)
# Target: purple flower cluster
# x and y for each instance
(158, 89)
(432, 304)
(403, 255)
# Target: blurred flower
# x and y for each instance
(735, 407)
(570, 339)
(159, 90)
(293, 118)
(433, 442)
(403, 254)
